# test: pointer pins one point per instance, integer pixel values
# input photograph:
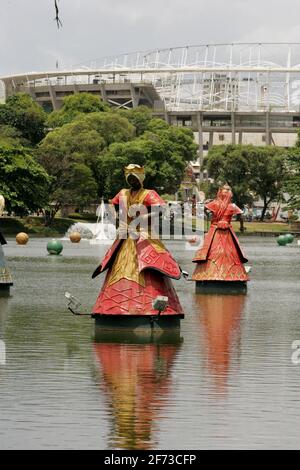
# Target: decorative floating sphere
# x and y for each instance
(282, 240)
(22, 238)
(75, 237)
(289, 237)
(54, 247)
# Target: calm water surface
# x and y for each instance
(227, 381)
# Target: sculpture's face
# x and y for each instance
(133, 182)
(224, 193)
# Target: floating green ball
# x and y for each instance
(54, 247)
(282, 240)
(289, 237)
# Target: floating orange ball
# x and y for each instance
(22, 238)
(75, 237)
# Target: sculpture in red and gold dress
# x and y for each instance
(221, 257)
(138, 267)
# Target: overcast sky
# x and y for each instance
(96, 28)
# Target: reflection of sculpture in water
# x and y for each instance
(220, 317)
(3, 316)
(137, 379)
(221, 258)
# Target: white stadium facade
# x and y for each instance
(226, 93)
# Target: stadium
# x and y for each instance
(226, 93)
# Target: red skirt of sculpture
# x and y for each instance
(128, 297)
(221, 257)
(138, 272)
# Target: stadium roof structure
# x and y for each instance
(244, 77)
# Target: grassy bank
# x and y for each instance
(262, 227)
(10, 226)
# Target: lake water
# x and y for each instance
(226, 381)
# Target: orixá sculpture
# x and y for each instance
(220, 261)
(139, 267)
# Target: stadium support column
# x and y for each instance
(9, 88)
(52, 94)
(103, 92)
(200, 140)
(268, 133)
(134, 96)
(233, 128)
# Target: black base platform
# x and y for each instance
(5, 288)
(221, 287)
(136, 323)
(139, 336)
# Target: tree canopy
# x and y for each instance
(75, 106)
(292, 180)
(251, 171)
(139, 117)
(22, 113)
(164, 155)
(23, 182)
(106, 141)
(69, 155)
(78, 153)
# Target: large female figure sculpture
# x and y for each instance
(5, 277)
(221, 260)
(139, 266)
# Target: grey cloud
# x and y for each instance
(95, 28)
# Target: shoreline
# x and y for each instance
(34, 226)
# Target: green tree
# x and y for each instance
(110, 126)
(250, 171)
(23, 182)
(175, 140)
(139, 117)
(156, 125)
(292, 180)
(22, 113)
(75, 106)
(268, 172)
(70, 156)
(229, 164)
(163, 156)
(11, 136)
(105, 142)
(80, 142)
(77, 138)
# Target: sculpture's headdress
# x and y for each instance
(226, 186)
(135, 170)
